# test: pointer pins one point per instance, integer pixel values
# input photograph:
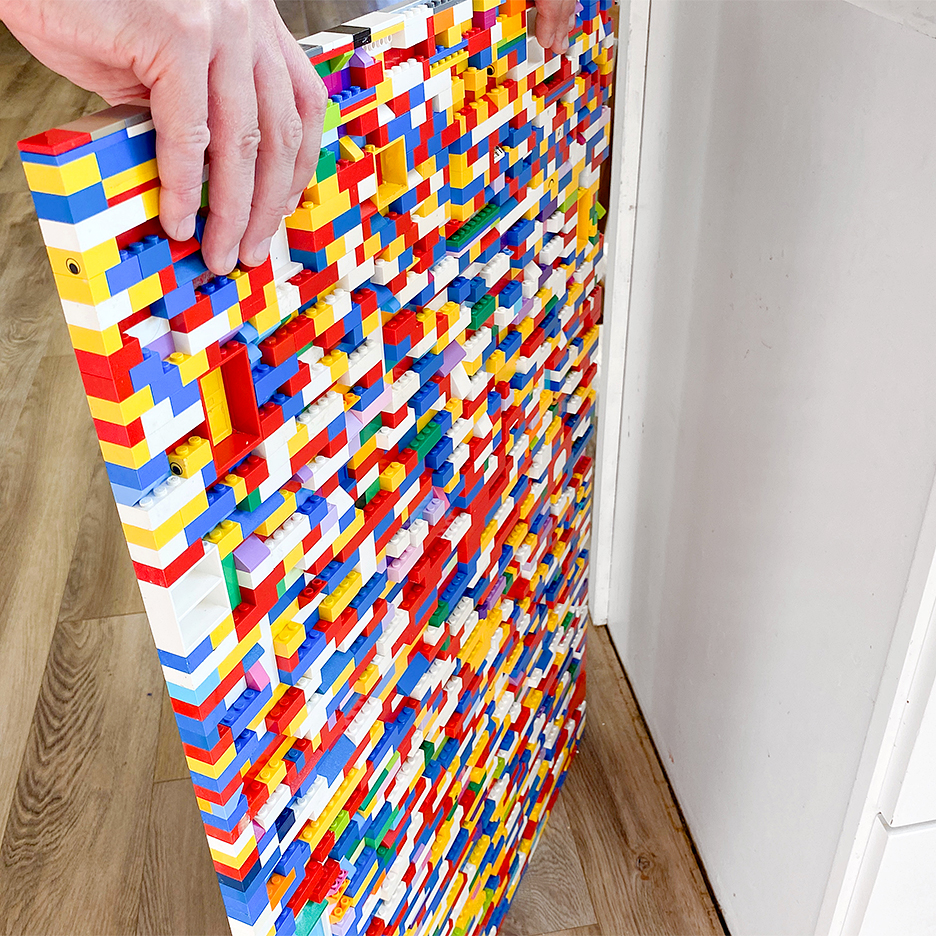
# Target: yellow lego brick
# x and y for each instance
(363, 453)
(335, 250)
(495, 362)
(473, 366)
(145, 293)
(424, 420)
(333, 604)
(227, 536)
(190, 457)
(266, 319)
(84, 265)
(323, 315)
(154, 539)
(126, 457)
(191, 366)
(551, 430)
(272, 774)
(296, 442)
(393, 249)
(322, 214)
(371, 246)
(317, 193)
(242, 279)
(286, 616)
(212, 770)
(313, 831)
(219, 634)
(392, 476)
(337, 363)
(370, 324)
(63, 180)
(239, 652)
(349, 149)
(500, 96)
(194, 508)
(455, 407)
(276, 519)
(295, 726)
(104, 342)
(130, 178)
(236, 861)
(150, 200)
(124, 413)
(289, 639)
(293, 557)
(367, 680)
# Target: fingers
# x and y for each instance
(281, 133)
(232, 152)
(554, 21)
(311, 99)
(179, 103)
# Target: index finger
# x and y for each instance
(179, 105)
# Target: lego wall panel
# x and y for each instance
(353, 480)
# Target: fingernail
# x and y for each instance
(263, 251)
(547, 40)
(230, 261)
(565, 43)
(187, 228)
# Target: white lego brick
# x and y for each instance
(148, 330)
(201, 337)
(277, 439)
(104, 226)
(103, 315)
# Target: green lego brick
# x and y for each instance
(371, 429)
(481, 311)
(332, 116)
(570, 201)
(230, 579)
(309, 916)
(423, 444)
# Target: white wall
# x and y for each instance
(779, 433)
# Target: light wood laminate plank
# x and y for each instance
(101, 581)
(553, 894)
(71, 859)
(45, 469)
(180, 893)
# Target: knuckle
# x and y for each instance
(189, 20)
(290, 132)
(236, 13)
(276, 211)
(316, 95)
(185, 193)
(319, 91)
(195, 137)
(246, 141)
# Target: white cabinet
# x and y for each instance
(903, 898)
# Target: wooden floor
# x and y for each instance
(99, 832)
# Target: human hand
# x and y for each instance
(554, 22)
(223, 76)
